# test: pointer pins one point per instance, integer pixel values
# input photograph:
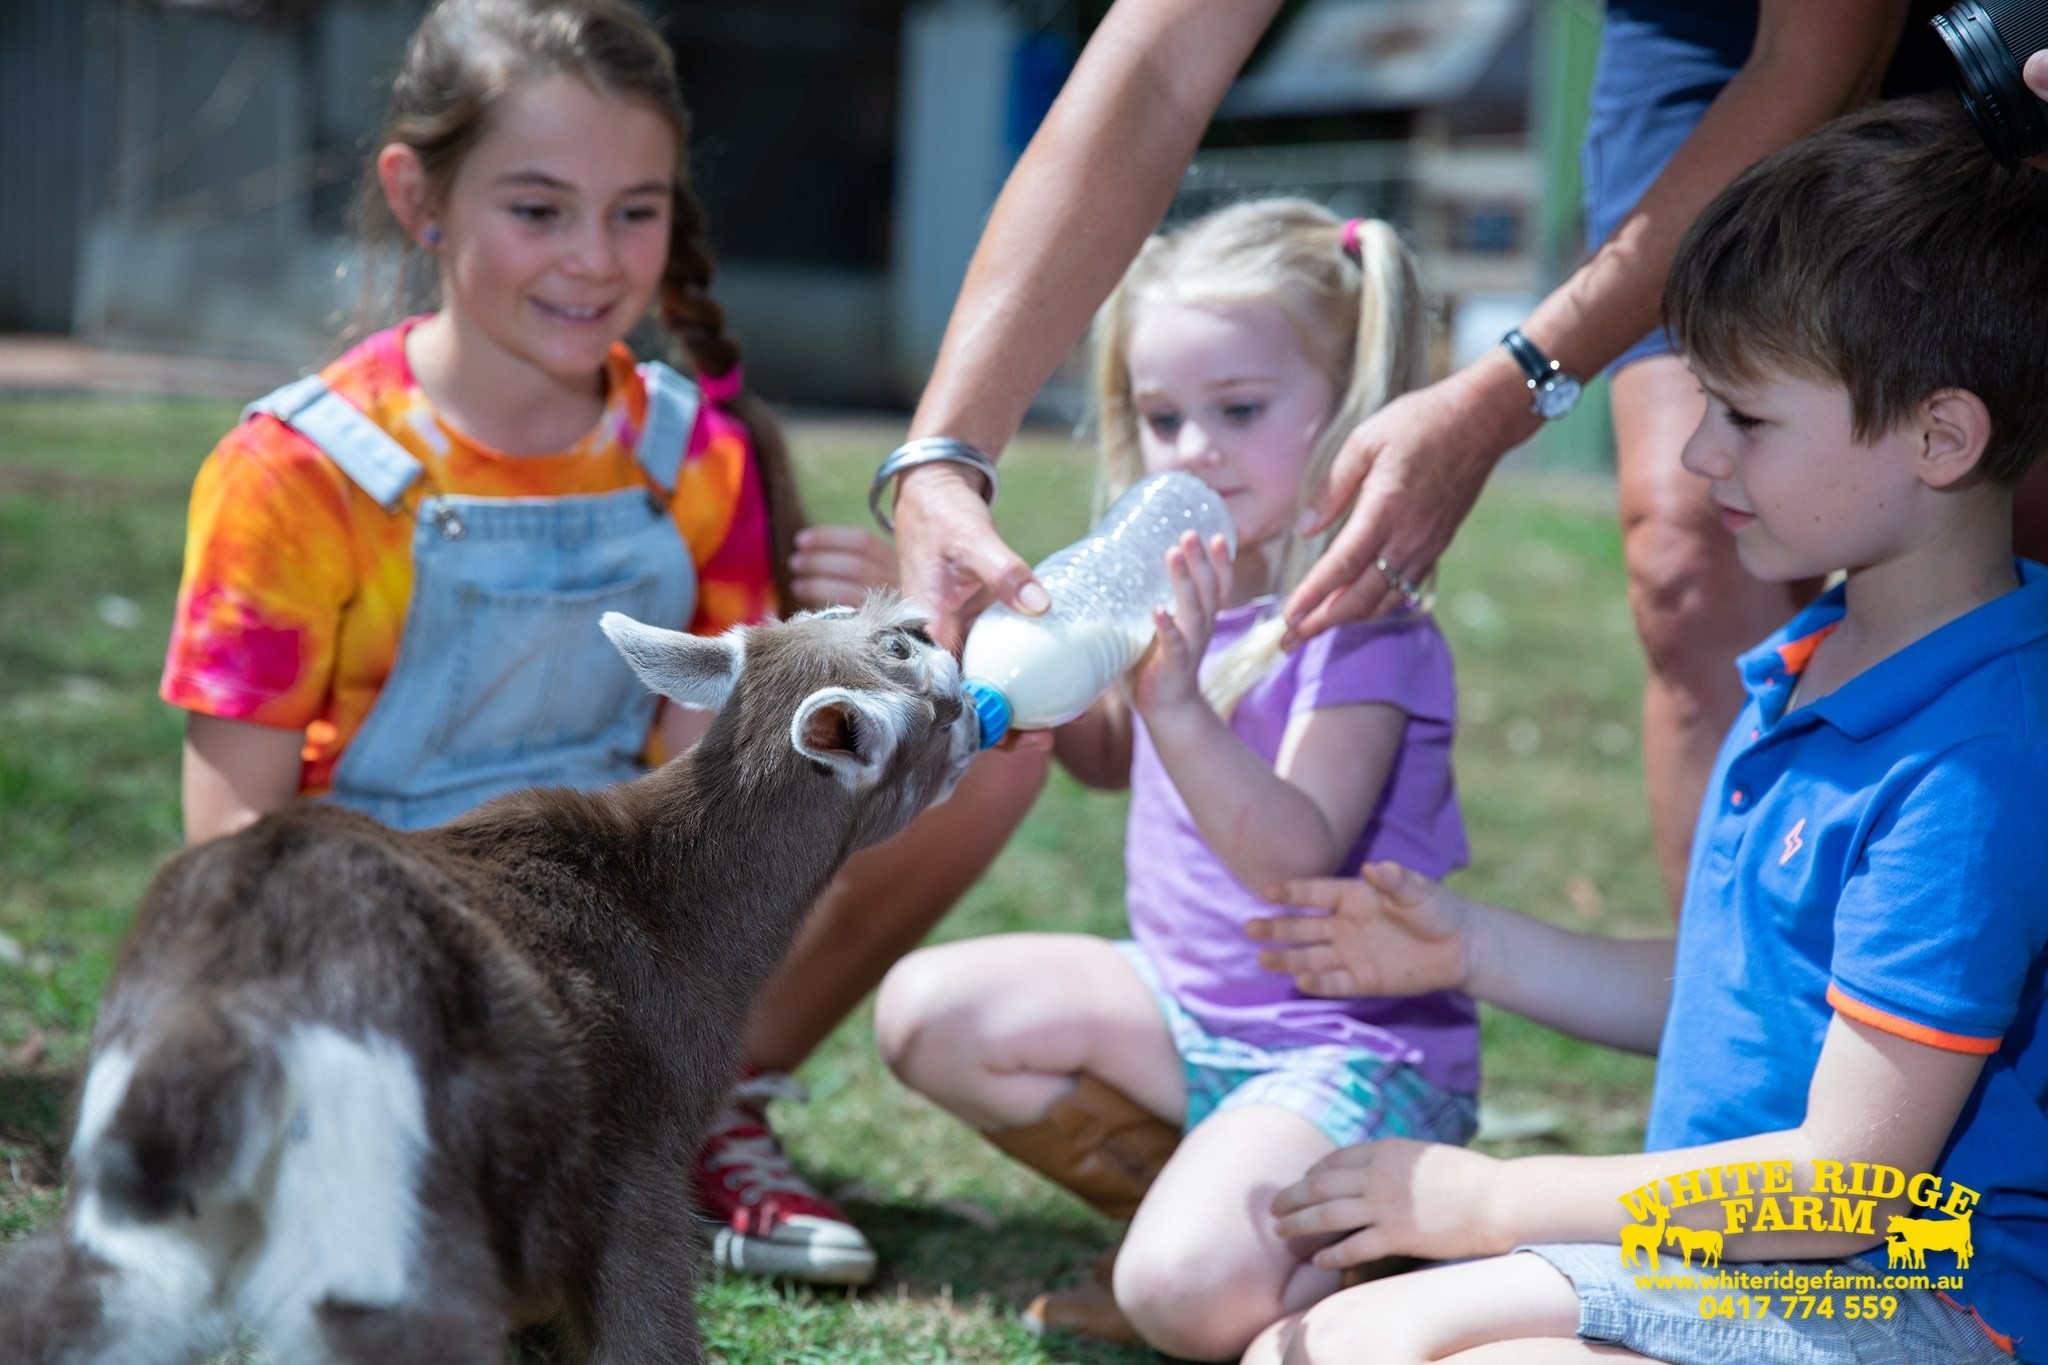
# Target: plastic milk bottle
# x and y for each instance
(1035, 672)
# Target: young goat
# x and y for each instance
(384, 1096)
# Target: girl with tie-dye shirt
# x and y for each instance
(395, 568)
(298, 582)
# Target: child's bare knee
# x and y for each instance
(1182, 1307)
(906, 1000)
(1363, 1326)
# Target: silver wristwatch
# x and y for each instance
(1556, 393)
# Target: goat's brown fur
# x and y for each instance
(566, 975)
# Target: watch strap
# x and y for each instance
(1535, 365)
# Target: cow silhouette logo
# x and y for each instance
(1908, 1240)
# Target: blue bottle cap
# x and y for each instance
(991, 708)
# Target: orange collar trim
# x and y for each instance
(1797, 654)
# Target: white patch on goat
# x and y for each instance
(105, 1084)
(343, 1216)
(159, 1300)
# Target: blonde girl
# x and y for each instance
(1241, 348)
(395, 567)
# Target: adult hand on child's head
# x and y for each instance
(1389, 931)
(1393, 1197)
(839, 565)
(952, 561)
(1416, 467)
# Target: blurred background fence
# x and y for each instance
(176, 173)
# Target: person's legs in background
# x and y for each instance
(1696, 608)
(773, 1221)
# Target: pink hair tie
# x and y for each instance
(723, 388)
(1350, 238)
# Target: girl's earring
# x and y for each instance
(432, 236)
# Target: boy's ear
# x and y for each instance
(1956, 427)
(403, 179)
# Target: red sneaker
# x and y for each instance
(772, 1222)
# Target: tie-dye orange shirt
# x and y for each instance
(296, 581)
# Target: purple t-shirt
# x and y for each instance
(1189, 911)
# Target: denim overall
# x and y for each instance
(503, 679)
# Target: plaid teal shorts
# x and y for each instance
(1350, 1094)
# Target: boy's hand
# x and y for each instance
(1394, 1197)
(836, 566)
(1389, 932)
(1169, 674)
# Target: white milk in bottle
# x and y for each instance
(1035, 672)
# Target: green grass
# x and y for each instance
(92, 497)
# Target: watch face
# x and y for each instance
(1557, 396)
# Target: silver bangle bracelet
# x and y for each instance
(929, 450)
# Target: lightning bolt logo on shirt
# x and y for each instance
(1793, 843)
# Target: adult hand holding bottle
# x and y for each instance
(952, 560)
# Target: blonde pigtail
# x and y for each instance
(1387, 352)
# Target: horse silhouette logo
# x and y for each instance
(1908, 1240)
(1706, 1242)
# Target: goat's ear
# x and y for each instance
(691, 670)
(853, 733)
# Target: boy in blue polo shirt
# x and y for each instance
(1848, 1027)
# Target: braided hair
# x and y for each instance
(464, 57)
(688, 310)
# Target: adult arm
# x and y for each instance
(234, 773)
(1096, 749)
(1417, 465)
(1875, 1097)
(1096, 178)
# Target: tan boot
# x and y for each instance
(1106, 1149)
(1087, 1309)
(1097, 1143)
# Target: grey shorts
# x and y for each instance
(1669, 1323)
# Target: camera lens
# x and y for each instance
(1990, 42)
